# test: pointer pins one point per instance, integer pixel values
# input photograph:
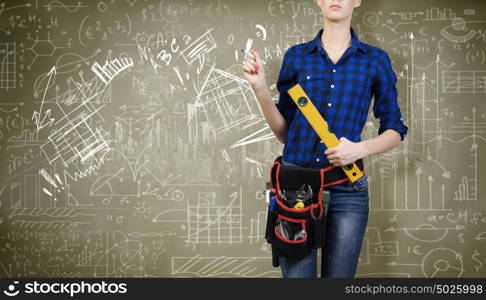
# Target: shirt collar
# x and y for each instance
(316, 42)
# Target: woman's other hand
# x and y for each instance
(346, 152)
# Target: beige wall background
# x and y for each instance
(132, 146)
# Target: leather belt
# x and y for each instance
(292, 177)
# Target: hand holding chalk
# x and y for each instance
(252, 69)
(252, 56)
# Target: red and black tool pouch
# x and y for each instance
(293, 233)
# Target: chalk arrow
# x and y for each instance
(37, 116)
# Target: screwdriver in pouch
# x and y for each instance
(326, 196)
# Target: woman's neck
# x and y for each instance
(336, 35)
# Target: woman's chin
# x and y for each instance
(335, 17)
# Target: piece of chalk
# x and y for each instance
(251, 55)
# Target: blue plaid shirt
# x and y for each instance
(342, 93)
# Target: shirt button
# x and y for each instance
(329, 104)
(334, 70)
(317, 159)
(308, 77)
(332, 86)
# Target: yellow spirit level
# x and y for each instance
(320, 126)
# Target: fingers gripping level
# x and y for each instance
(320, 126)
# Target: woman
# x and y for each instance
(341, 75)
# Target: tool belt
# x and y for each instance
(296, 216)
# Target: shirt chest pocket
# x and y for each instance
(316, 86)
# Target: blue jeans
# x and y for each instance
(347, 217)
